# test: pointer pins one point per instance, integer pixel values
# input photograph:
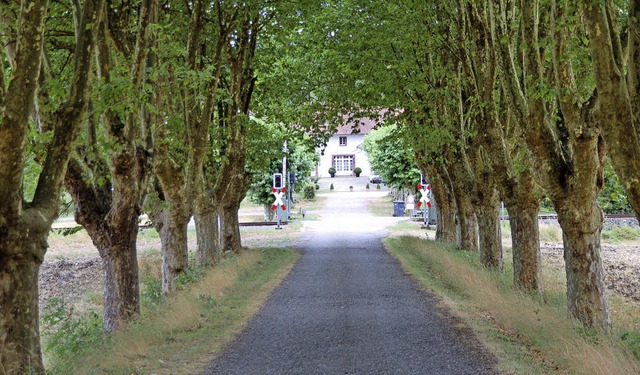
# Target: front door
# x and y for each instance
(344, 164)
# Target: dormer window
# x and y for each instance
(343, 141)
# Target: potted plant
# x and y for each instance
(378, 187)
(332, 171)
(331, 187)
(350, 188)
(357, 171)
(367, 187)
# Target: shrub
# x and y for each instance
(378, 186)
(317, 187)
(309, 192)
(632, 341)
(151, 290)
(621, 234)
(331, 187)
(367, 187)
(357, 171)
(332, 171)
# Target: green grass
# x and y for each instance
(621, 234)
(310, 204)
(182, 334)
(550, 233)
(148, 233)
(247, 205)
(381, 206)
(529, 335)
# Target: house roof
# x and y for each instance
(351, 125)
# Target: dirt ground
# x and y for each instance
(73, 270)
(621, 264)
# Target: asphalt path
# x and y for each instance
(347, 307)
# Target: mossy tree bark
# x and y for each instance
(523, 208)
(489, 230)
(24, 227)
(207, 221)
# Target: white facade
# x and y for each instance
(344, 152)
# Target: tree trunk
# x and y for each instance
(112, 223)
(209, 250)
(20, 351)
(468, 222)
(586, 291)
(231, 240)
(121, 287)
(447, 227)
(527, 263)
(172, 226)
(488, 214)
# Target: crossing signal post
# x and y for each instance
(424, 189)
(278, 189)
(277, 181)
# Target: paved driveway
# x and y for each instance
(348, 308)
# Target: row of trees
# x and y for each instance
(131, 106)
(500, 100)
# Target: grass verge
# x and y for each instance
(529, 335)
(182, 334)
(381, 206)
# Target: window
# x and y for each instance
(343, 163)
(343, 141)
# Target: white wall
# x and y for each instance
(353, 147)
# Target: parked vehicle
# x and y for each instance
(375, 179)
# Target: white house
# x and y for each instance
(344, 150)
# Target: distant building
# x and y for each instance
(344, 150)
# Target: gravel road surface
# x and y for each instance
(348, 308)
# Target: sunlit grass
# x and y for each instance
(529, 334)
(182, 334)
(381, 206)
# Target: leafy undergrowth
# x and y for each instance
(529, 335)
(181, 334)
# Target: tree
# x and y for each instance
(454, 67)
(24, 226)
(556, 116)
(616, 64)
(182, 130)
(391, 157)
(108, 184)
